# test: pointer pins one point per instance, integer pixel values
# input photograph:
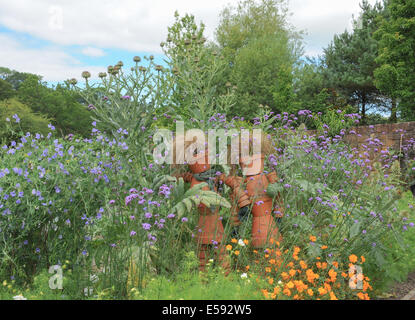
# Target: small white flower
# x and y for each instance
(244, 275)
(241, 243)
(19, 297)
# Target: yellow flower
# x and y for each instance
(290, 285)
(310, 292)
(234, 240)
(246, 242)
(229, 247)
(236, 252)
(313, 238)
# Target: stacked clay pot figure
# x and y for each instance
(209, 230)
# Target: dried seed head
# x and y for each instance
(120, 63)
(228, 84)
(141, 68)
(73, 81)
(159, 68)
(86, 74)
(137, 59)
(110, 69)
(102, 74)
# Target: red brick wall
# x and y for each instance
(392, 135)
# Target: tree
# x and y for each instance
(58, 104)
(13, 77)
(350, 62)
(6, 90)
(395, 74)
(310, 92)
(261, 51)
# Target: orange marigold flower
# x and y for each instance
(296, 297)
(270, 280)
(332, 275)
(333, 296)
(353, 258)
(336, 264)
(268, 269)
(290, 265)
(236, 252)
(313, 238)
(246, 241)
(272, 261)
(292, 272)
(310, 292)
(303, 265)
(234, 240)
(324, 247)
(228, 247)
(318, 264)
(285, 276)
(277, 290)
(324, 265)
(290, 285)
(363, 259)
(265, 293)
(287, 292)
(247, 267)
(322, 291)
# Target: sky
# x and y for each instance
(58, 39)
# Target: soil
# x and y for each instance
(404, 290)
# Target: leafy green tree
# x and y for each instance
(59, 104)
(310, 92)
(350, 62)
(13, 77)
(6, 90)
(261, 51)
(395, 74)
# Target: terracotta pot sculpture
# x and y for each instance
(209, 230)
(250, 193)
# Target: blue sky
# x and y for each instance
(60, 39)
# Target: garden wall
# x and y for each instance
(392, 135)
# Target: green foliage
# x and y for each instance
(6, 90)
(198, 72)
(350, 61)
(396, 35)
(261, 51)
(60, 105)
(29, 121)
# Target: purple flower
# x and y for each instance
(146, 226)
(184, 219)
(133, 233)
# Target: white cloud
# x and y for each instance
(134, 25)
(93, 52)
(51, 63)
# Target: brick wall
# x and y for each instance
(392, 135)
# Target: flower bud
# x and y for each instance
(141, 68)
(102, 74)
(159, 68)
(151, 57)
(137, 59)
(86, 74)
